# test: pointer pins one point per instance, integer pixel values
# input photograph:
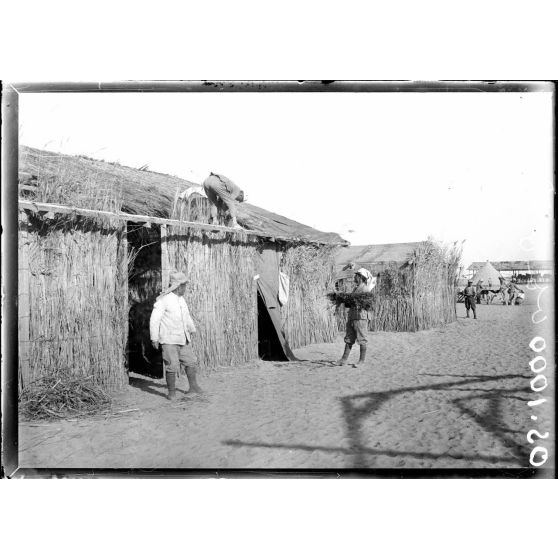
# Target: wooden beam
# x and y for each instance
(165, 263)
(123, 284)
(46, 207)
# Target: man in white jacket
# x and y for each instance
(171, 327)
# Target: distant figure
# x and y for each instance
(479, 291)
(470, 299)
(223, 194)
(490, 297)
(511, 293)
(357, 320)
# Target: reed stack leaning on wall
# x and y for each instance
(306, 317)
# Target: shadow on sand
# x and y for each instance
(154, 388)
(361, 407)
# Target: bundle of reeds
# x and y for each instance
(220, 293)
(306, 316)
(59, 394)
(360, 301)
(72, 300)
(195, 208)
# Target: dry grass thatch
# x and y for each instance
(92, 184)
(220, 293)
(72, 301)
(306, 317)
(417, 296)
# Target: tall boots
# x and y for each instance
(191, 373)
(343, 359)
(362, 355)
(345, 356)
(171, 384)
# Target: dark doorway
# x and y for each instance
(144, 285)
(269, 346)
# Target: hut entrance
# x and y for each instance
(144, 285)
(272, 344)
(269, 346)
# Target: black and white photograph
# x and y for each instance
(348, 278)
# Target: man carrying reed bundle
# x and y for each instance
(470, 295)
(171, 327)
(357, 320)
(223, 194)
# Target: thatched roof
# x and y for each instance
(111, 186)
(516, 265)
(377, 254)
(487, 273)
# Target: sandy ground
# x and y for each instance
(450, 397)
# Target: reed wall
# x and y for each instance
(307, 316)
(221, 293)
(73, 308)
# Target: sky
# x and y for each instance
(373, 167)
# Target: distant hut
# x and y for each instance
(97, 242)
(416, 283)
(488, 275)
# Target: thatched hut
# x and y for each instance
(416, 283)
(488, 276)
(97, 242)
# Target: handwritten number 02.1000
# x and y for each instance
(539, 454)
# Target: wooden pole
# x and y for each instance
(122, 254)
(24, 308)
(165, 263)
(165, 270)
(54, 208)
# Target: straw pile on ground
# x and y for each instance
(306, 317)
(61, 395)
(417, 296)
(220, 293)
